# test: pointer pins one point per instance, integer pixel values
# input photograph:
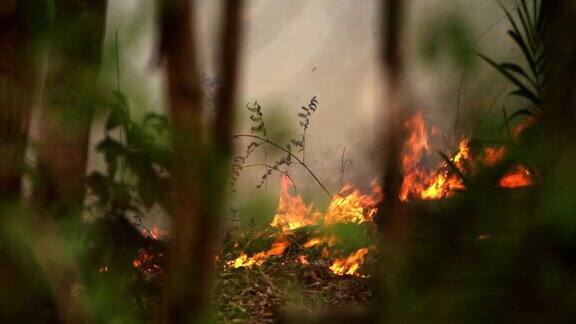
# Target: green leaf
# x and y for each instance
(120, 99)
(522, 113)
(515, 68)
(522, 89)
(526, 95)
(525, 51)
(157, 122)
(112, 150)
(119, 115)
(542, 21)
(527, 24)
(97, 182)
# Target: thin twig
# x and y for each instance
(274, 169)
(507, 124)
(292, 155)
(343, 166)
(117, 60)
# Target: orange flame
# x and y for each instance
(415, 148)
(258, 259)
(520, 176)
(292, 212)
(422, 184)
(493, 155)
(331, 240)
(351, 264)
(349, 206)
(445, 182)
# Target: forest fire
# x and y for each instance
(350, 206)
(447, 179)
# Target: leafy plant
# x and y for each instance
(528, 33)
(136, 178)
(259, 137)
(304, 122)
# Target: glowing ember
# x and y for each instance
(520, 176)
(493, 155)
(351, 264)
(143, 258)
(525, 124)
(155, 233)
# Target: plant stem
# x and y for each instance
(292, 155)
(272, 168)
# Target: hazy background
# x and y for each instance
(296, 49)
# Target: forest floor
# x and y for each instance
(285, 285)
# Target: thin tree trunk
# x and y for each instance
(75, 52)
(21, 284)
(18, 79)
(560, 113)
(200, 172)
(184, 295)
(230, 43)
(69, 101)
(390, 220)
(393, 69)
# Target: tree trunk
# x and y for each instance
(230, 43)
(390, 220)
(200, 167)
(18, 80)
(186, 263)
(69, 100)
(71, 94)
(560, 113)
(393, 69)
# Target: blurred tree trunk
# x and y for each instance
(22, 27)
(71, 95)
(560, 114)
(393, 69)
(184, 290)
(230, 42)
(390, 220)
(18, 80)
(200, 166)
